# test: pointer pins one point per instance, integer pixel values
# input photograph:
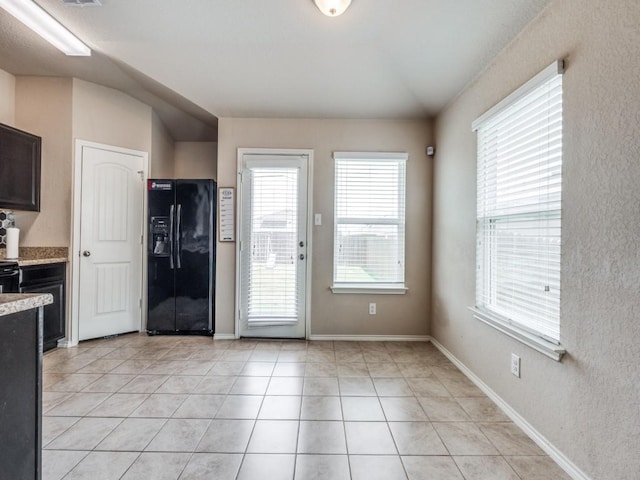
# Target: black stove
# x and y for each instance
(9, 276)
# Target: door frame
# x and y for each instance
(73, 315)
(305, 152)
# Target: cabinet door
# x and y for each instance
(48, 278)
(20, 396)
(53, 327)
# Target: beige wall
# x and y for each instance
(43, 107)
(7, 98)
(333, 314)
(61, 110)
(196, 160)
(587, 406)
(105, 115)
(162, 150)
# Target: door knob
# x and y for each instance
(86, 253)
(302, 256)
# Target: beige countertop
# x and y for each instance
(19, 302)
(39, 255)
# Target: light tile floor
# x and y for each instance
(167, 408)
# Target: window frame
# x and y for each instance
(497, 319)
(390, 288)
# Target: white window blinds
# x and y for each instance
(519, 207)
(271, 277)
(369, 219)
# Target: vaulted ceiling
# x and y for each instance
(196, 60)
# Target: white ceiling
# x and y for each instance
(276, 58)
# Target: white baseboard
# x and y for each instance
(372, 338)
(567, 465)
(224, 336)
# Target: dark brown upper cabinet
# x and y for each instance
(19, 169)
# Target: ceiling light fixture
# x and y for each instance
(332, 8)
(34, 17)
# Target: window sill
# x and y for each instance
(370, 289)
(541, 345)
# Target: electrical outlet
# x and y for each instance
(317, 219)
(372, 309)
(515, 365)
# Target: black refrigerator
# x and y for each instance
(181, 256)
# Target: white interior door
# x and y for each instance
(111, 229)
(273, 245)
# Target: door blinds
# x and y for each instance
(271, 277)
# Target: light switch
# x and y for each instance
(317, 219)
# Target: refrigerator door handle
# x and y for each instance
(171, 238)
(178, 237)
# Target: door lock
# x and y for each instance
(301, 243)
(86, 253)
(302, 256)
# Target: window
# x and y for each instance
(369, 222)
(519, 212)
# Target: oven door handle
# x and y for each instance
(8, 281)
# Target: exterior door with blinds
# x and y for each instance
(273, 245)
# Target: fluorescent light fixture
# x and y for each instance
(34, 17)
(332, 8)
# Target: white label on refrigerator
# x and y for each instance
(227, 214)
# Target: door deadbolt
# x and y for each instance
(301, 243)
